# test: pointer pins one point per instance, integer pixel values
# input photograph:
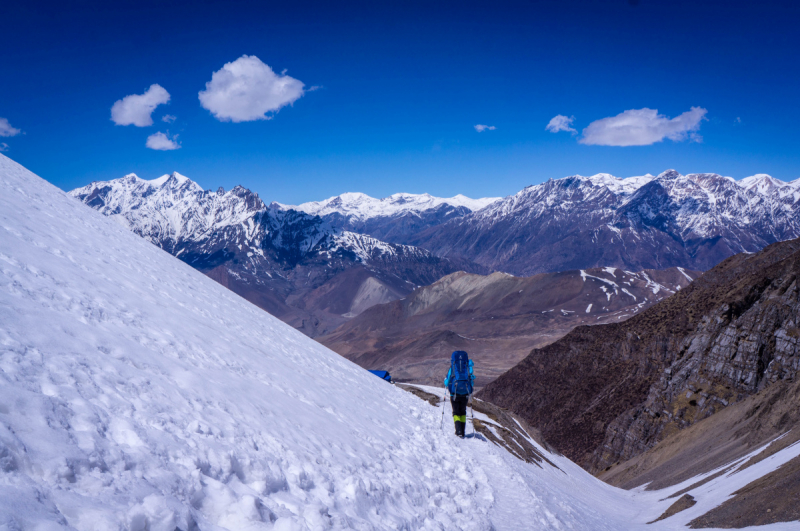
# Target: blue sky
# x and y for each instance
(398, 89)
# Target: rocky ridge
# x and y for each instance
(747, 342)
(605, 394)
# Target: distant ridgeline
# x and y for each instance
(693, 221)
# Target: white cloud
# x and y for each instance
(247, 89)
(481, 128)
(161, 142)
(6, 129)
(168, 118)
(137, 108)
(642, 127)
(3, 146)
(561, 123)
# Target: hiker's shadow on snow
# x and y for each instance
(476, 436)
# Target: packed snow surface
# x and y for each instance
(137, 394)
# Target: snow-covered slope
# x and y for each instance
(618, 185)
(647, 222)
(138, 394)
(766, 184)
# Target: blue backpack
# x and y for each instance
(460, 376)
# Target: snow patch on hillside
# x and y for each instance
(367, 248)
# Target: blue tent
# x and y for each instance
(383, 374)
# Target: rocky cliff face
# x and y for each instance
(607, 393)
(744, 344)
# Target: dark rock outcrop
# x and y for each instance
(684, 502)
(607, 393)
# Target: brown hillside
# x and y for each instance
(604, 394)
(770, 416)
(496, 318)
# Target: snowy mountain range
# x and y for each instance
(361, 206)
(395, 218)
(319, 264)
(692, 221)
(137, 394)
(294, 265)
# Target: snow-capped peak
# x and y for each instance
(744, 215)
(174, 179)
(352, 197)
(564, 194)
(669, 174)
(173, 212)
(761, 183)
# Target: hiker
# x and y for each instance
(459, 383)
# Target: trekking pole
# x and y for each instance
(472, 414)
(444, 397)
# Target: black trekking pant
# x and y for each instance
(459, 403)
